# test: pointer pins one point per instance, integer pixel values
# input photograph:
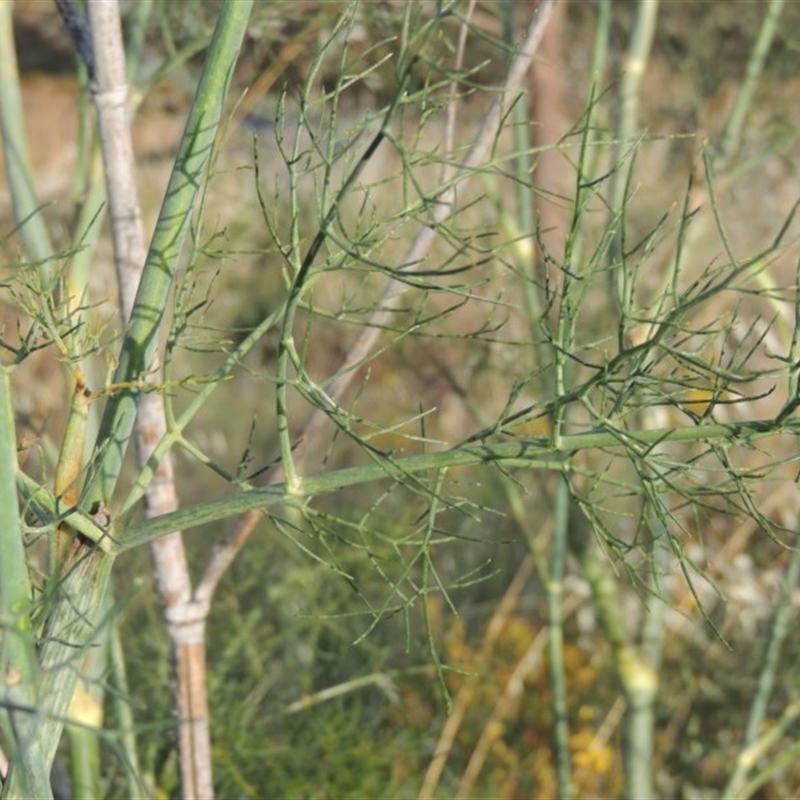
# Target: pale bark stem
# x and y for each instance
(183, 617)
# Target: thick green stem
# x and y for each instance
(638, 679)
(555, 594)
(27, 209)
(18, 667)
(68, 633)
(152, 298)
(527, 454)
(640, 686)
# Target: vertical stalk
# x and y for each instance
(638, 673)
(27, 209)
(18, 667)
(543, 218)
(555, 643)
(68, 634)
(653, 625)
(640, 685)
(633, 69)
(766, 678)
(755, 64)
(145, 285)
(86, 719)
(638, 679)
(600, 47)
(141, 334)
(125, 721)
(109, 90)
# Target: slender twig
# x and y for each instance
(382, 680)
(767, 675)
(448, 169)
(729, 141)
(633, 69)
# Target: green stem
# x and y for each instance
(84, 754)
(600, 47)
(638, 679)
(527, 454)
(555, 594)
(136, 37)
(766, 679)
(18, 667)
(67, 636)
(139, 343)
(653, 625)
(124, 714)
(627, 137)
(755, 65)
(640, 685)
(27, 209)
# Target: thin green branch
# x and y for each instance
(755, 66)
(536, 453)
(751, 746)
